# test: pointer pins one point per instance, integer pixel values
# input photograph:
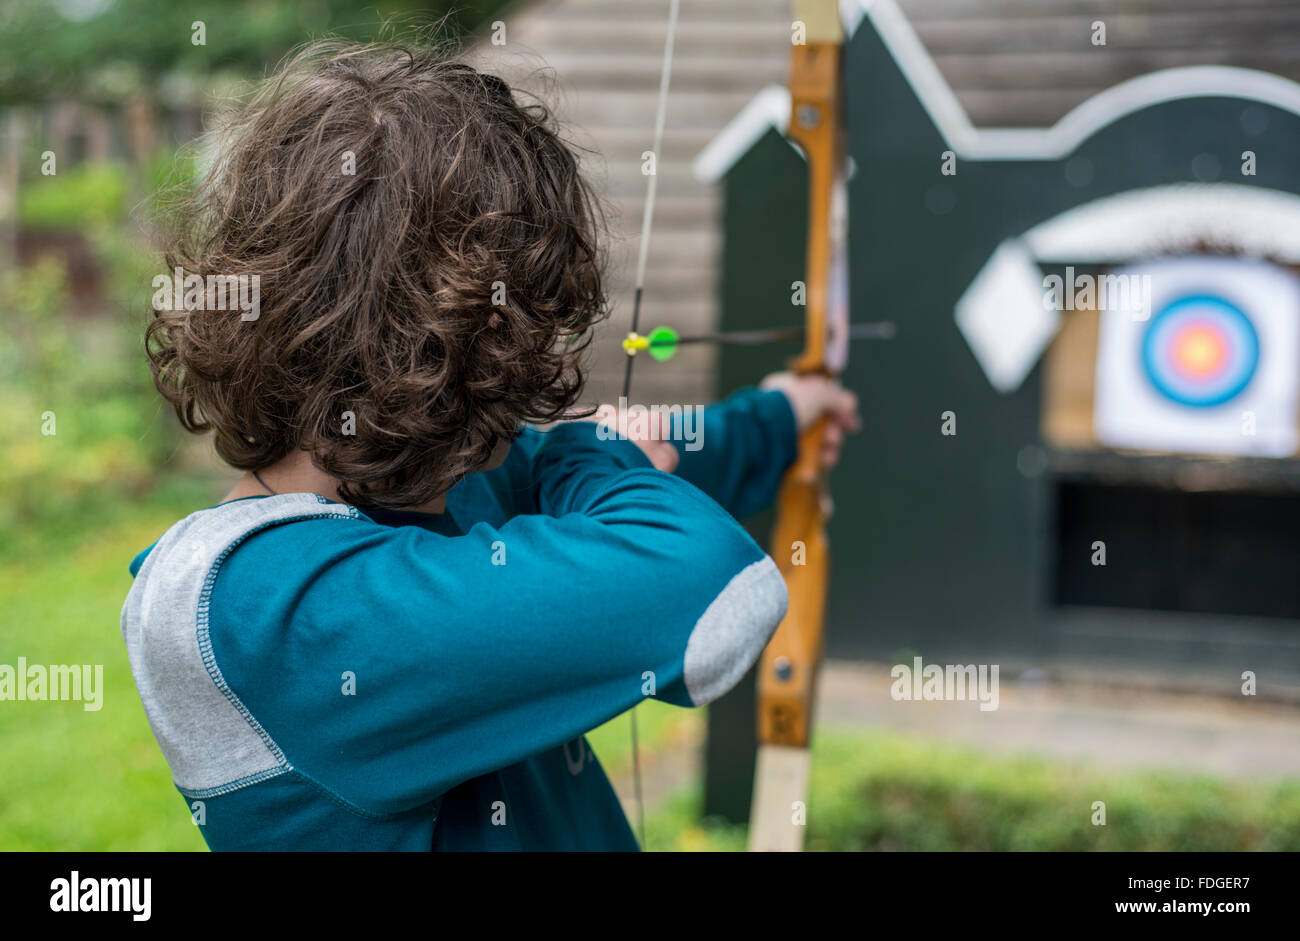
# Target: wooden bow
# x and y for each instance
(788, 670)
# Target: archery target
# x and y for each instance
(1200, 356)
(1200, 351)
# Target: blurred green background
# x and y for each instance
(76, 505)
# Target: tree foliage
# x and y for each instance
(105, 50)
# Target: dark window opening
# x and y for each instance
(1173, 550)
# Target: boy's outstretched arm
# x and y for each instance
(474, 651)
(738, 450)
(741, 448)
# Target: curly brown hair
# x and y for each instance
(442, 293)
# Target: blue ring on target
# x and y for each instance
(1227, 323)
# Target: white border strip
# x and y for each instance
(1118, 101)
(770, 108)
(1249, 220)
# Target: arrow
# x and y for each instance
(662, 342)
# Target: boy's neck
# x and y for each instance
(295, 473)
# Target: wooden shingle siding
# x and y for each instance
(601, 61)
(1025, 63)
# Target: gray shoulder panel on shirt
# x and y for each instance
(210, 740)
(733, 630)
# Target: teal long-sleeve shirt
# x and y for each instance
(326, 678)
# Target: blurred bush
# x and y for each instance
(93, 194)
(84, 425)
(883, 791)
(108, 51)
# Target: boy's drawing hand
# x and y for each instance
(812, 397)
(651, 433)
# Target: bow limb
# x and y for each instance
(788, 669)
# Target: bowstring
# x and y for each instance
(647, 218)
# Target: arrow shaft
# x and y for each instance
(883, 330)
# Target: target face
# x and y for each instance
(1200, 351)
(1207, 363)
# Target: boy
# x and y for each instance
(396, 629)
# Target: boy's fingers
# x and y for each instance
(662, 455)
(656, 446)
(832, 444)
(811, 397)
(843, 409)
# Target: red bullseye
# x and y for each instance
(1200, 351)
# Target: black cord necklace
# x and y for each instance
(264, 484)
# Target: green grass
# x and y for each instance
(72, 779)
(78, 780)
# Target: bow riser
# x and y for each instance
(788, 669)
(814, 109)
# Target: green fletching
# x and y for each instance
(663, 343)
